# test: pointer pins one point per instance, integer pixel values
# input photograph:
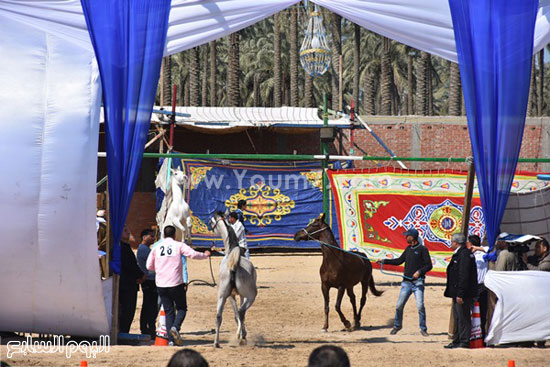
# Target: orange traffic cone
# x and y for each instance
(83, 363)
(162, 334)
(475, 335)
(511, 363)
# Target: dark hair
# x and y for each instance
(170, 231)
(545, 243)
(474, 240)
(233, 215)
(187, 358)
(146, 232)
(328, 356)
(241, 204)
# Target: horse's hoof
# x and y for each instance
(347, 325)
(216, 345)
(349, 329)
(324, 330)
(242, 342)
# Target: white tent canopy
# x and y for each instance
(49, 271)
(422, 24)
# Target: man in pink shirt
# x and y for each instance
(165, 261)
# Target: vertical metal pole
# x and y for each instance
(324, 151)
(114, 277)
(468, 197)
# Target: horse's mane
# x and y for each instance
(231, 236)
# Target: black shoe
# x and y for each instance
(424, 333)
(450, 346)
(394, 331)
(455, 346)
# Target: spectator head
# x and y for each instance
(233, 217)
(147, 236)
(187, 358)
(241, 204)
(474, 240)
(542, 247)
(170, 231)
(328, 356)
(458, 240)
(412, 235)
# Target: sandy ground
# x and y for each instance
(285, 323)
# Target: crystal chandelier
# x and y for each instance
(314, 53)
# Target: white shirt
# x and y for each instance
(482, 265)
(240, 232)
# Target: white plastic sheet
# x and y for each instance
(521, 313)
(423, 24)
(49, 271)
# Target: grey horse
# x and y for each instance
(243, 284)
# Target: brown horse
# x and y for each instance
(340, 269)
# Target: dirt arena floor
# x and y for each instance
(285, 323)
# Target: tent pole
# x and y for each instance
(173, 117)
(324, 151)
(468, 197)
(115, 277)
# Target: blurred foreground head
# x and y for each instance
(328, 356)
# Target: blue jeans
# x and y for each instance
(407, 288)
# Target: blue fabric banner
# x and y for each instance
(128, 38)
(282, 198)
(494, 41)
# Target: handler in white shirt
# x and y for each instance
(240, 232)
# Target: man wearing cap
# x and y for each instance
(417, 263)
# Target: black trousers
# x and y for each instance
(483, 303)
(462, 315)
(174, 301)
(127, 299)
(149, 308)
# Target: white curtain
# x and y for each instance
(521, 313)
(422, 24)
(49, 113)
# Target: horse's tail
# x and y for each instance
(373, 288)
(233, 258)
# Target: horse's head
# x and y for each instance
(179, 176)
(216, 222)
(313, 230)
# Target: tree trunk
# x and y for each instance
(277, 62)
(167, 81)
(356, 65)
(532, 90)
(204, 82)
(256, 92)
(186, 93)
(233, 72)
(308, 91)
(213, 88)
(385, 78)
(410, 82)
(294, 56)
(421, 85)
(455, 90)
(540, 100)
(194, 92)
(336, 22)
(369, 95)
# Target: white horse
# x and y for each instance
(178, 213)
(244, 283)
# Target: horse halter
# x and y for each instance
(216, 224)
(317, 231)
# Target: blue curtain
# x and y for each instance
(494, 42)
(128, 38)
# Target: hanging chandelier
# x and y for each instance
(315, 53)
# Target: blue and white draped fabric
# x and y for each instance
(494, 41)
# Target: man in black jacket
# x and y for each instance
(417, 263)
(462, 288)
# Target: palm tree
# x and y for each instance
(204, 82)
(410, 81)
(531, 108)
(233, 71)
(277, 58)
(294, 56)
(194, 90)
(167, 80)
(336, 23)
(213, 88)
(369, 94)
(308, 91)
(422, 85)
(455, 90)
(386, 78)
(356, 63)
